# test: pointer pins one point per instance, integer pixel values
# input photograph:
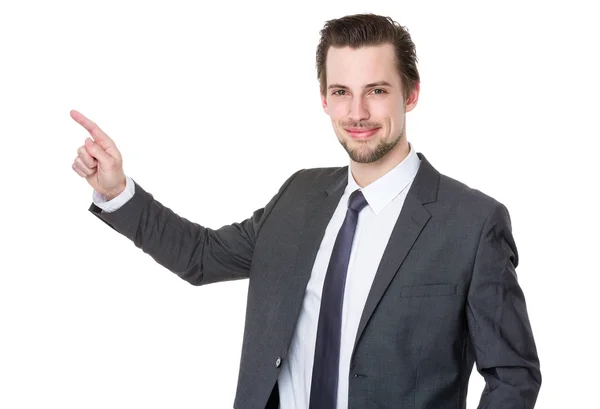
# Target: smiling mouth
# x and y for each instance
(361, 133)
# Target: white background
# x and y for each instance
(213, 106)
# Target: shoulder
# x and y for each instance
(453, 190)
(444, 194)
(318, 178)
(467, 203)
(324, 174)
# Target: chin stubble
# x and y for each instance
(373, 155)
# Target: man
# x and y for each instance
(375, 285)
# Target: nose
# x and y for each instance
(358, 110)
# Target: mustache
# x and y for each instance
(368, 125)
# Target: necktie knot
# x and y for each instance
(357, 201)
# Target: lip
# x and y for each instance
(361, 133)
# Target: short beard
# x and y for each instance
(371, 156)
(357, 155)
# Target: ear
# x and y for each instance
(324, 102)
(413, 98)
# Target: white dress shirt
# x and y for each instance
(385, 198)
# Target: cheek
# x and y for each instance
(384, 108)
(336, 110)
(389, 114)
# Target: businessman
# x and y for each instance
(374, 285)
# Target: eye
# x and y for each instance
(379, 91)
(339, 92)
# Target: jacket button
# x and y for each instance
(278, 362)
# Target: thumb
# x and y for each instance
(96, 151)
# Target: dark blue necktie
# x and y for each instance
(324, 386)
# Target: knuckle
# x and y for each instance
(76, 169)
(85, 161)
(81, 166)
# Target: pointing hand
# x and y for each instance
(99, 161)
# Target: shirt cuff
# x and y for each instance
(109, 206)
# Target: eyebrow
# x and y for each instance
(372, 84)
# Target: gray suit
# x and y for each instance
(445, 294)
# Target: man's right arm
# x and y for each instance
(195, 253)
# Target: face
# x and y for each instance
(365, 102)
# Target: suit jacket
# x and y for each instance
(445, 294)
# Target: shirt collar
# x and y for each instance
(381, 192)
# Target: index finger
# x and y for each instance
(94, 130)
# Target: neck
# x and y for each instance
(367, 173)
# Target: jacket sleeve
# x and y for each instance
(195, 253)
(500, 332)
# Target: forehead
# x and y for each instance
(359, 66)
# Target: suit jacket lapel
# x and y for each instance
(321, 205)
(411, 221)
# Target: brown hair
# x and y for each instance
(369, 30)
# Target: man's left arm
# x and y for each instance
(505, 351)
